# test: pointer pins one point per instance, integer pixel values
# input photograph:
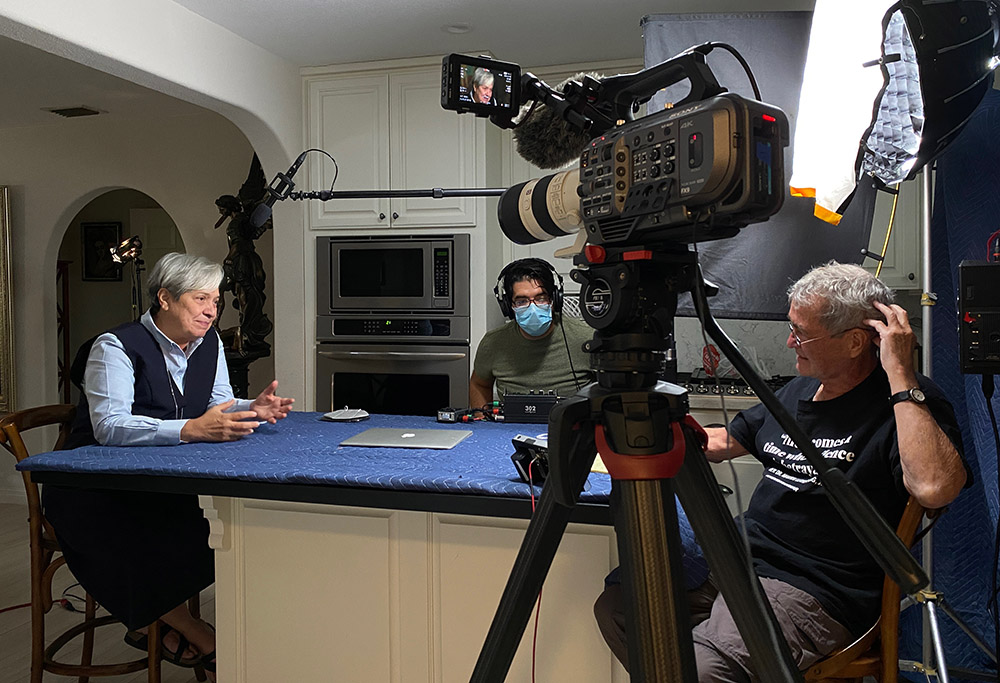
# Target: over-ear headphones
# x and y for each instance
(530, 269)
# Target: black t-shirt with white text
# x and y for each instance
(796, 535)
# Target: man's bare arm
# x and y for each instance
(480, 392)
(721, 447)
(932, 468)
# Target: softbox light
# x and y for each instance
(936, 60)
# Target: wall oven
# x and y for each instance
(392, 327)
(395, 379)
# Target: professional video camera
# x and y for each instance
(699, 171)
(644, 191)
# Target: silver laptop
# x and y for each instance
(388, 437)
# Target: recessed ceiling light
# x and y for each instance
(460, 27)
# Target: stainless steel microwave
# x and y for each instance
(422, 274)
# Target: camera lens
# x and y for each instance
(541, 209)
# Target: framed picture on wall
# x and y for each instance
(98, 241)
(6, 310)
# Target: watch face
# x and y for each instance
(917, 396)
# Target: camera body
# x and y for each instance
(459, 85)
(690, 174)
(697, 172)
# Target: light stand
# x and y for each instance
(130, 251)
(933, 661)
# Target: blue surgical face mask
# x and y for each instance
(534, 319)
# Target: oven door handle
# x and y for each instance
(391, 355)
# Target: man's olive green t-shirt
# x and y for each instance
(520, 365)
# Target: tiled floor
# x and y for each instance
(15, 625)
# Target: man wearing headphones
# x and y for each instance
(530, 354)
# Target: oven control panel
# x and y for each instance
(403, 327)
(395, 327)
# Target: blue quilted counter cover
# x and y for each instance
(303, 449)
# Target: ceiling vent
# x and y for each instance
(73, 112)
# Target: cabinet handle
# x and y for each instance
(381, 216)
(911, 277)
(395, 215)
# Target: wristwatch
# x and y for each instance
(914, 394)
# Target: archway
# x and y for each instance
(95, 292)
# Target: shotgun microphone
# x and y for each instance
(279, 189)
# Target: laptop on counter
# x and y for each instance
(390, 437)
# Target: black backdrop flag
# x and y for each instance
(753, 269)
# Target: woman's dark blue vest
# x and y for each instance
(156, 395)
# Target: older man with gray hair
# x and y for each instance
(871, 415)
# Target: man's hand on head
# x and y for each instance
(271, 408)
(896, 342)
(218, 425)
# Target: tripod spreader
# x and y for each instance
(658, 466)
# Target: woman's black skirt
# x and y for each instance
(138, 554)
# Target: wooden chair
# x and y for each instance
(876, 653)
(44, 563)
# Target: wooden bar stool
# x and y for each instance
(46, 559)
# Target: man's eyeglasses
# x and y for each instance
(538, 299)
(800, 342)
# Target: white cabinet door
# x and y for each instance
(348, 116)
(308, 592)
(429, 148)
(901, 267)
(387, 131)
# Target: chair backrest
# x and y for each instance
(856, 660)
(888, 622)
(12, 426)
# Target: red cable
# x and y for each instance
(989, 243)
(14, 607)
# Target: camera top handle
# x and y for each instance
(597, 106)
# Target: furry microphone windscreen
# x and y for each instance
(548, 141)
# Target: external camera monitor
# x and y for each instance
(480, 85)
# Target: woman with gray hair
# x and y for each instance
(162, 380)
(482, 86)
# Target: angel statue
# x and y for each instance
(244, 276)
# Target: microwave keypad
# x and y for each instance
(441, 268)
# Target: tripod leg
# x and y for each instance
(724, 549)
(939, 661)
(980, 643)
(659, 636)
(530, 568)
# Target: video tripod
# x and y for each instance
(643, 431)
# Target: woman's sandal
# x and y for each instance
(140, 641)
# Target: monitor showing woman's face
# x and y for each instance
(484, 93)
